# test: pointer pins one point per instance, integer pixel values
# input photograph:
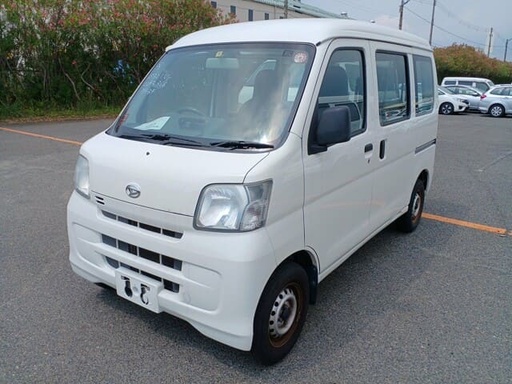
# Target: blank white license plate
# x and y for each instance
(138, 289)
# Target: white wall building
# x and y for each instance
(252, 10)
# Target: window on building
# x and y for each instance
(232, 10)
(393, 85)
(267, 16)
(214, 4)
(250, 15)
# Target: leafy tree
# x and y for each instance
(463, 60)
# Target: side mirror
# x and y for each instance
(333, 128)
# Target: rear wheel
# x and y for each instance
(446, 109)
(496, 110)
(280, 314)
(410, 220)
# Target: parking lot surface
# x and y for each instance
(431, 307)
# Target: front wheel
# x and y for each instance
(410, 220)
(496, 110)
(446, 109)
(280, 314)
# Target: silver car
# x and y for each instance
(497, 101)
(469, 93)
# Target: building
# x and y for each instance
(252, 10)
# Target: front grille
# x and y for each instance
(155, 257)
(144, 226)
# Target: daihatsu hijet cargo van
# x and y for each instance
(479, 83)
(250, 163)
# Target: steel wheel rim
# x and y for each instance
(284, 315)
(416, 207)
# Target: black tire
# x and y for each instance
(446, 109)
(410, 220)
(496, 110)
(280, 314)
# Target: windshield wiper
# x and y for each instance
(165, 139)
(241, 144)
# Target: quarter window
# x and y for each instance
(393, 85)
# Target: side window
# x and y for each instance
(344, 85)
(424, 79)
(468, 83)
(449, 82)
(393, 85)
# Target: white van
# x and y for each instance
(479, 83)
(249, 164)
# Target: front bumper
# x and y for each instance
(211, 280)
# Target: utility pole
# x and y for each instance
(404, 2)
(432, 22)
(506, 46)
(490, 43)
(285, 9)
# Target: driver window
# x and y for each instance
(344, 85)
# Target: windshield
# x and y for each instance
(236, 96)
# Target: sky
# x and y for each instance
(455, 21)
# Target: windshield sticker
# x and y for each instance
(156, 124)
(300, 57)
(219, 54)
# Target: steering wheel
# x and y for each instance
(190, 110)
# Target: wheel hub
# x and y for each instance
(416, 205)
(283, 313)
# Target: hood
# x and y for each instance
(169, 178)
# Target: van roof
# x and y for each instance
(465, 78)
(314, 31)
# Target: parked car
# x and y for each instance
(480, 83)
(497, 102)
(450, 103)
(468, 93)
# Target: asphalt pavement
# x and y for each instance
(434, 306)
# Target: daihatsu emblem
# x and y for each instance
(133, 190)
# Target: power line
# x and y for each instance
(465, 23)
(444, 30)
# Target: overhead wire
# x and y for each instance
(444, 30)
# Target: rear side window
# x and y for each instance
(505, 91)
(424, 79)
(393, 85)
(449, 82)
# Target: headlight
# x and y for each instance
(233, 207)
(82, 176)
